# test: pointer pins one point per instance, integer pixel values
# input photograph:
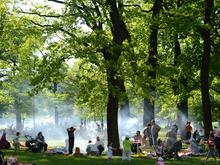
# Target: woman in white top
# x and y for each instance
(100, 145)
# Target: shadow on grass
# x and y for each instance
(54, 159)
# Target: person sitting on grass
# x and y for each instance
(40, 141)
(137, 142)
(171, 145)
(92, 149)
(144, 144)
(100, 145)
(127, 149)
(16, 142)
(160, 149)
(4, 144)
(211, 149)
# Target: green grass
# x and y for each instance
(52, 159)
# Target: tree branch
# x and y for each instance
(138, 6)
(51, 26)
(57, 1)
(41, 15)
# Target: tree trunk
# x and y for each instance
(149, 106)
(124, 102)
(182, 105)
(56, 116)
(204, 73)
(18, 120)
(34, 113)
(148, 112)
(120, 33)
(112, 112)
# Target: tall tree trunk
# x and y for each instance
(124, 102)
(204, 73)
(34, 112)
(56, 116)
(149, 106)
(119, 33)
(18, 120)
(182, 104)
(112, 112)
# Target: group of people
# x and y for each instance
(95, 148)
(140, 142)
(39, 141)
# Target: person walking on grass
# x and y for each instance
(110, 151)
(211, 149)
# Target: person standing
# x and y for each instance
(188, 129)
(147, 134)
(154, 131)
(71, 137)
(16, 142)
(110, 151)
(127, 149)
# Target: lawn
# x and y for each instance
(52, 159)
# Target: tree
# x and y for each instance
(204, 73)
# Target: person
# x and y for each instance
(100, 145)
(194, 146)
(217, 140)
(92, 149)
(144, 144)
(110, 151)
(211, 149)
(154, 131)
(1, 158)
(160, 161)
(127, 149)
(4, 144)
(137, 142)
(171, 144)
(160, 149)
(196, 136)
(71, 137)
(147, 133)
(16, 142)
(40, 141)
(188, 130)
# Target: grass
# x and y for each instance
(52, 159)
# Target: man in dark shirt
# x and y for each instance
(71, 136)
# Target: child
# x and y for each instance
(110, 151)
(160, 161)
(160, 149)
(127, 149)
(16, 142)
(211, 149)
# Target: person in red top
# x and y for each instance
(188, 129)
(211, 149)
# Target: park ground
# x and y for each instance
(55, 159)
